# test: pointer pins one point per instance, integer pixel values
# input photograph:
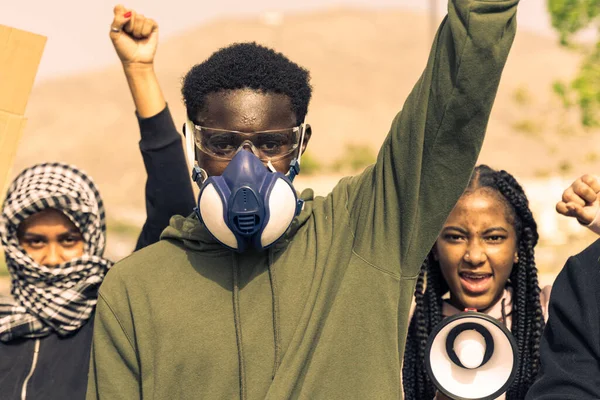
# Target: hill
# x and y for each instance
(363, 65)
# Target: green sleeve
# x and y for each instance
(114, 369)
(398, 205)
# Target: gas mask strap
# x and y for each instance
(199, 175)
(301, 144)
(271, 167)
(295, 164)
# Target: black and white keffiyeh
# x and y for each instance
(52, 298)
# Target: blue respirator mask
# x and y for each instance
(250, 205)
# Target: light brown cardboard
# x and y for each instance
(20, 55)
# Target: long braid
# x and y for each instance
(436, 281)
(518, 279)
(528, 321)
(410, 379)
(428, 313)
(527, 317)
(535, 319)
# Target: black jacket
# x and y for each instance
(169, 185)
(59, 368)
(570, 347)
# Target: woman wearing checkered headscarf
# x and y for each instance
(46, 332)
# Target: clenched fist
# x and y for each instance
(581, 200)
(134, 36)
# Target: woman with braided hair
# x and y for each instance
(483, 259)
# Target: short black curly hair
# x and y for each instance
(247, 65)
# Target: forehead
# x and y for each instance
(246, 110)
(480, 209)
(47, 219)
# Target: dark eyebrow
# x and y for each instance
(494, 228)
(33, 236)
(455, 228)
(74, 231)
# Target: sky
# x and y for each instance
(77, 30)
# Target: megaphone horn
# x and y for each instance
(469, 345)
(471, 356)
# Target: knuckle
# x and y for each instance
(579, 186)
(588, 178)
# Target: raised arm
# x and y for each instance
(168, 186)
(399, 205)
(135, 39)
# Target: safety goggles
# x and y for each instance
(269, 145)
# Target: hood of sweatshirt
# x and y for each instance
(194, 236)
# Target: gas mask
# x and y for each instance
(250, 205)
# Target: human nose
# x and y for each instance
(53, 255)
(475, 254)
(247, 145)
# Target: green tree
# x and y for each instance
(570, 17)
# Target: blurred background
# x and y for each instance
(364, 57)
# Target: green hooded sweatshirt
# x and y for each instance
(323, 314)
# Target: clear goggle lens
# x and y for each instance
(266, 145)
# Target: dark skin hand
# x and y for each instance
(246, 110)
(581, 200)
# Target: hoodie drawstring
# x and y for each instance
(275, 301)
(238, 325)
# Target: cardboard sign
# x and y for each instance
(20, 55)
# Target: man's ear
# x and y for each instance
(307, 135)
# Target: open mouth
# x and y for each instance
(475, 283)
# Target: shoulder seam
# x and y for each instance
(129, 339)
(391, 274)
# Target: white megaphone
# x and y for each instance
(471, 356)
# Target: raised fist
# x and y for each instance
(581, 200)
(134, 36)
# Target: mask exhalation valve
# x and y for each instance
(245, 211)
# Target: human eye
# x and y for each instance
(70, 240)
(222, 143)
(271, 146)
(454, 237)
(273, 143)
(35, 242)
(495, 238)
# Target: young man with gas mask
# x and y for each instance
(261, 294)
